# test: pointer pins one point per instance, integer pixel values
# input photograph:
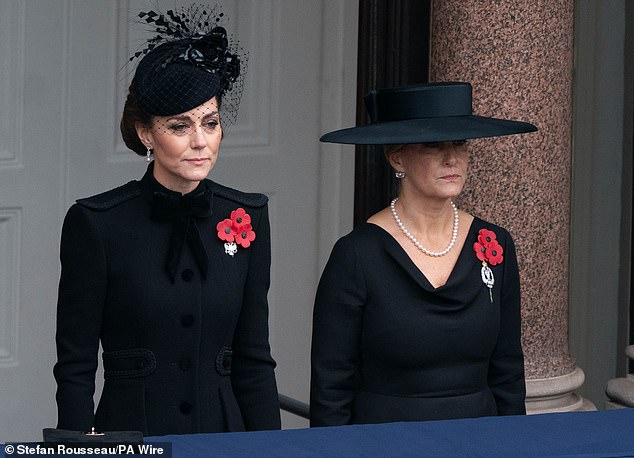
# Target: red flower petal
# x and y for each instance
(487, 247)
(225, 230)
(240, 216)
(238, 229)
(494, 253)
(486, 236)
(480, 251)
(245, 238)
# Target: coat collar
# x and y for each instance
(150, 186)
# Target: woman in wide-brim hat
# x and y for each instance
(417, 313)
(170, 273)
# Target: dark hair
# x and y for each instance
(388, 150)
(132, 114)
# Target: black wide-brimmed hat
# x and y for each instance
(422, 113)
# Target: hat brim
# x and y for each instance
(427, 130)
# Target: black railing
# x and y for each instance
(294, 406)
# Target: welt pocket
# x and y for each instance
(129, 363)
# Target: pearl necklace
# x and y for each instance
(435, 254)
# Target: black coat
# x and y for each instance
(187, 354)
(388, 346)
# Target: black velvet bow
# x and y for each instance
(183, 211)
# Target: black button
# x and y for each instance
(187, 320)
(187, 275)
(184, 364)
(185, 407)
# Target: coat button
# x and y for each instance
(184, 364)
(187, 321)
(187, 275)
(185, 407)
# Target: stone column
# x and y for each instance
(620, 391)
(518, 54)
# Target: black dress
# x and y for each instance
(388, 346)
(183, 324)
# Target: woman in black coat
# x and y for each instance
(169, 273)
(417, 314)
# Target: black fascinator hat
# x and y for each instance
(189, 60)
(422, 113)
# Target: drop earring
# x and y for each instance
(399, 175)
(148, 155)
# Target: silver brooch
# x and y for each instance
(231, 248)
(487, 278)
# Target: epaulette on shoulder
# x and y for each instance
(112, 198)
(250, 199)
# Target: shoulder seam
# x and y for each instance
(112, 198)
(251, 199)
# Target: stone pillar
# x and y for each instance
(620, 391)
(518, 54)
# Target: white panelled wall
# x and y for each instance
(63, 81)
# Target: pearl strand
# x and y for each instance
(408, 234)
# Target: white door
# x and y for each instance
(31, 138)
(62, 87)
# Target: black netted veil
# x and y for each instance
(189, 60)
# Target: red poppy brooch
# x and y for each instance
(489, 251)
(235, 231)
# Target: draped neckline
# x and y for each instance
(396, 251)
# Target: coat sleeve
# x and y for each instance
(506, 368)
(80, 302)
(336, 341)
(252, 368)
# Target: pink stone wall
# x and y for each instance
(518, 55)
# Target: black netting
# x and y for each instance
(189, 59)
